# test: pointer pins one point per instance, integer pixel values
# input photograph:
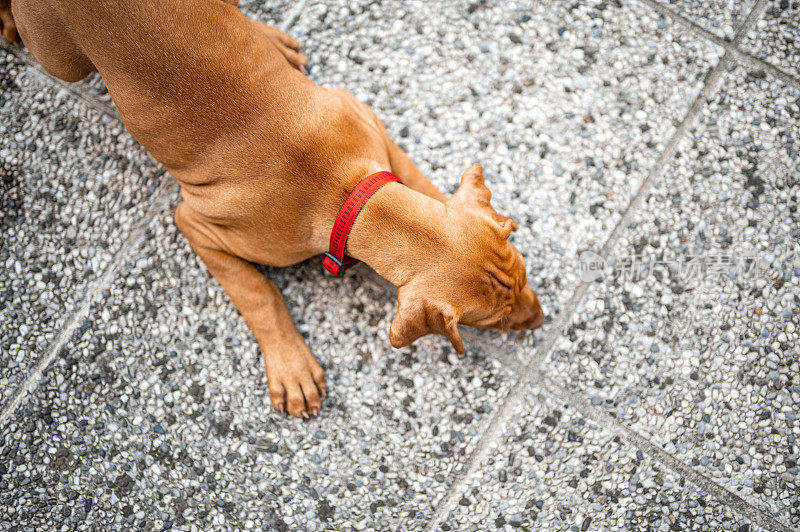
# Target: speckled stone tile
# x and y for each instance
(722, 17)
(156, 413)
(699, 353)
(776, 37)
(158, 410)
(552, 470)
(73, 184)
(566, 107)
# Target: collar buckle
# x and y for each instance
(335, 261)
(332, 264)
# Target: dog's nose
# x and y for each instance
(527, 312)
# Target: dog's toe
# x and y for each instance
(311, 393)
(296, 381)
(295, 402)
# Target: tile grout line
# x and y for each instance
(67, 328)
(531, 369)
(659, 455)
(135, 236)
(511, 399)
(748, 60)
(691, 25)
(731, 500)
(159, 198)
(710, 86)
(28, 60)
(588, 410)
(727, 498)
(753, 16)
(741, 56)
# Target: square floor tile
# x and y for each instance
(566, 106)
(691, 336)
(74, 183)
(722, 17)
(552, 470)
(158, 412)
(776, 37)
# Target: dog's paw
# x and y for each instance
(295, 378)
(7, 26)
(286, 45)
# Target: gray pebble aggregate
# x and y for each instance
(72, 182)
(156, 413)
(553, 470)
(775, 37)
(503, 83)
(707, 365)
(163, 408)
(722, 17)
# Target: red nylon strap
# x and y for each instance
(335, 260)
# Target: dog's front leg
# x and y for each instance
(295, 378)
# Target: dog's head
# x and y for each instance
(479, 281)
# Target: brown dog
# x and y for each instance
(265, 159)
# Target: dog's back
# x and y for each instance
(180, 73)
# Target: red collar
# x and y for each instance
(335, 260)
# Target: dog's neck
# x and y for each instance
(398, 231)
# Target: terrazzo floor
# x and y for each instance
(648, 151)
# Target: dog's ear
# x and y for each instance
(417, 317)
(473, 191)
